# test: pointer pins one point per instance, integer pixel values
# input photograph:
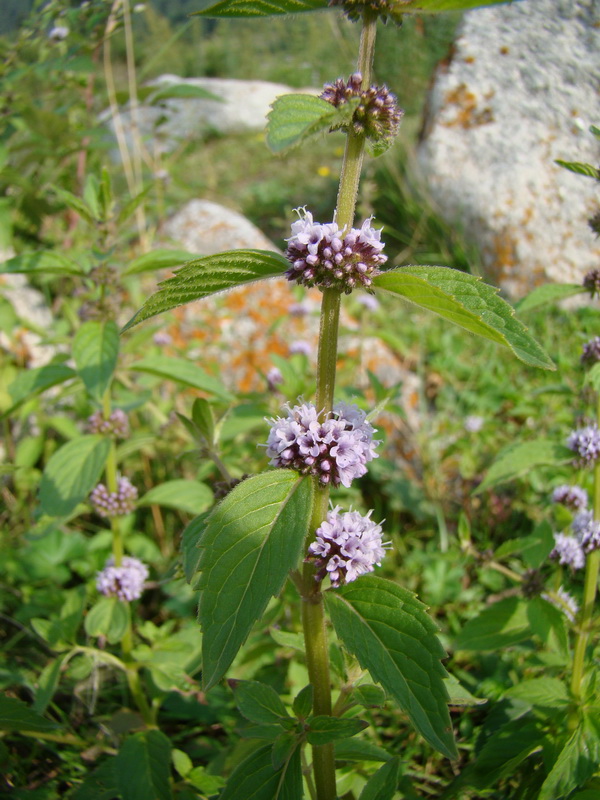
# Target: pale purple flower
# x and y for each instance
(162, 338)
(587, 530)
(302, 347)
(562, 600)
(58, 33)
(323, 255)
(585, 443)
(347, 545)
(335, 448)
(568, 551)
(274, 378)
(302, 308)
(473, 423)
(573, 497)
(116, 425)
(114, 504)
(591, 352)
(369, 301)
(125, 581)
(377, 115)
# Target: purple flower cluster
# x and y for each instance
(587, 530)
(591, 352)
(116, 425)
(125, 581)
(324, 255)
(355, 9)
(568, 551)
(564, 602)
(114, 504)
(585, 443)
(591, 282)
(347, 545)
(377, 115)
(335, 449)
(573, 497)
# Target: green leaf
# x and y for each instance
(71, 474)
(184, 495)
(209, 275)
(368, 696)
(592, 378)
(519, 458)
(359, 750)
(157, 259)
(283, 748)
(549, 623)
(382, 785)
(76, 204)
(143, 767)
(303, 702)
(46, 261)
(577, 761)
(256, 779)
(34, 381)
(547, 294)
(108, 617)
(253, 538)
(500, 625)
(204, 419)
(469, 303)
(185, 372)
(258, 702)
(96, 351)
(182, 762)
(18, 716)
(391, 635)
(459, 696)
(544, 693)
(46, 684)
(129, 209)
(260, 8)
(101, 784)
(323, 729)
(181, 90)
(296, 117)
(190, 551)
(580, 169)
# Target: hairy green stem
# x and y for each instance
(592, 569)
(313, 610)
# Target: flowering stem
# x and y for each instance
(592, 569)
(313, 610)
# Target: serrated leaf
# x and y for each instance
(518, 459)
(181, 371)
(294, 118)
(549, 693)
(71, 474)
(143, 766)
(158, 259)
(383, 784)
(468, 302)
(259, 8)
(579, 168)
(577, 761)
(391, 635)
(256, 779)
(34, 381)
(108, 617)
(258, 702)
(190, 496)
(181, 91)
(323, 729)
(46, 261)
(303, 702)
(253, 538)
(209, 275)
(18, 716)
(547, 294)
(96, 352)
(283, 748)
(500, 625)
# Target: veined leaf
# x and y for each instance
(323, 729)
(253, 538)
(383, 784)
(547, 294)
(459, 696)
(256, 779)
(260, 8)
(48, 261)
(96, 351)
(157, 259)
(190, 552)
(518, 459)
(209, 275)
(469, 303)
(34, 381)
(500, 625)
(576, 763)
(18, 716)
(191, 496)
(580, 169)
(143, 766)
(296, 117)
(108, 617)
(258, 702)
(181, 371)
(391, 635)
(71, 474)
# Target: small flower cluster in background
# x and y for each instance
(126, 582)
(323, 255)
(114, 504)
(347, 545)
(336, 449)
(585, 443)
(571, 549)
(591, 352)
(116, 425)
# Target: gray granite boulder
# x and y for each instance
(520, 92)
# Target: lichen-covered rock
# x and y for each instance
(520, 92)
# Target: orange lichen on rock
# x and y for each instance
(468, 115)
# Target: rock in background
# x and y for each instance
(520, 91)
